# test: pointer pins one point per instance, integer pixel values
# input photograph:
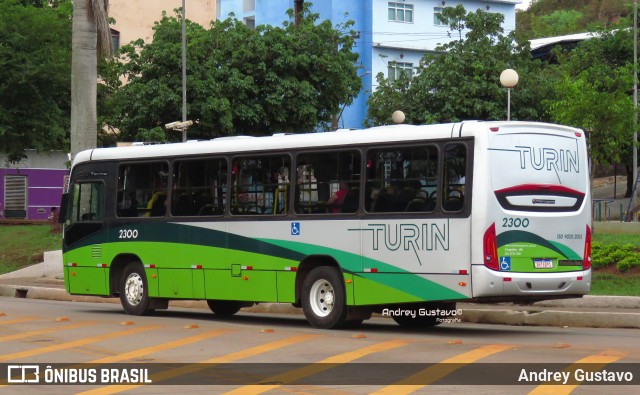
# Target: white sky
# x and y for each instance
(524, 5)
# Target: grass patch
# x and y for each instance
(24, 245)
(615, 284)
(611, 238)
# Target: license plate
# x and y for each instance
(543, 264)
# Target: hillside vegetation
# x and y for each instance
(547, 18)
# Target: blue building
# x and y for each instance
(392, 35)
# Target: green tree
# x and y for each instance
(35, 76)
(592, 90)
(462, 80)
(239, 80)
(545, 17)
(557, 23)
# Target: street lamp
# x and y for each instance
(397, 117)
(180, 127)
(509, 79)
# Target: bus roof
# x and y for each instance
(238, 144)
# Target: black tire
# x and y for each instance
(424, 321)
(224, 308)
(323, 298)
(134, 293)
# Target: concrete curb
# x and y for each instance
(599, 302)
(570, 319)
(498, 314)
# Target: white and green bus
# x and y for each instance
(394, 219)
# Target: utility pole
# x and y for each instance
(635, 104)
(184, 69)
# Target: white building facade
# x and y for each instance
(391, 35)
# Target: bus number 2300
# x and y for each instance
(515, 222)
(128, 234)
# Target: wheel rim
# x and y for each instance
(134, 289)
(322, 298)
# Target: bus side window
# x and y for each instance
(199, 187)
(142, 190)
(260, 185)
(455, 163)
(328, 182)
(402, 180)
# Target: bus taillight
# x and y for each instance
(587, 250)
(490, 248)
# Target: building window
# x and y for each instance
(400, 12)
(250, 22)
(437, 12)
(15, 196)
(395, 69)
(115, 40)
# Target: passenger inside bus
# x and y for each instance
(335, 203)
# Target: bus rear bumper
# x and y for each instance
(491, 285)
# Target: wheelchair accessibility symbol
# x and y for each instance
(295, 229)
(505, 263)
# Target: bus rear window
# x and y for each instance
(544, 171)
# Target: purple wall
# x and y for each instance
(44, 190)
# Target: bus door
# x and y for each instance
(85, 236)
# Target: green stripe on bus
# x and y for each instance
(519, 236)
(389, 275)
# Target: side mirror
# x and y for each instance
(64, 204)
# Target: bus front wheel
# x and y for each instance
(134, 293)
(323, 298)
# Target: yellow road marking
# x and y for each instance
(17, 320)
(161, 347)
(317, 367)
(74, 343)
(43, 331)
(153, 349)
(597, 361)
(444, 368)
(195, 367)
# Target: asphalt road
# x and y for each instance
(189, 346)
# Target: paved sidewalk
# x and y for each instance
(590, 311)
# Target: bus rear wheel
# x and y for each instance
(323, 298)
(134, 293)
(224, 308)
(426, 316)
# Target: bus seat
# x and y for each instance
(184, 205)
(350, 202)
